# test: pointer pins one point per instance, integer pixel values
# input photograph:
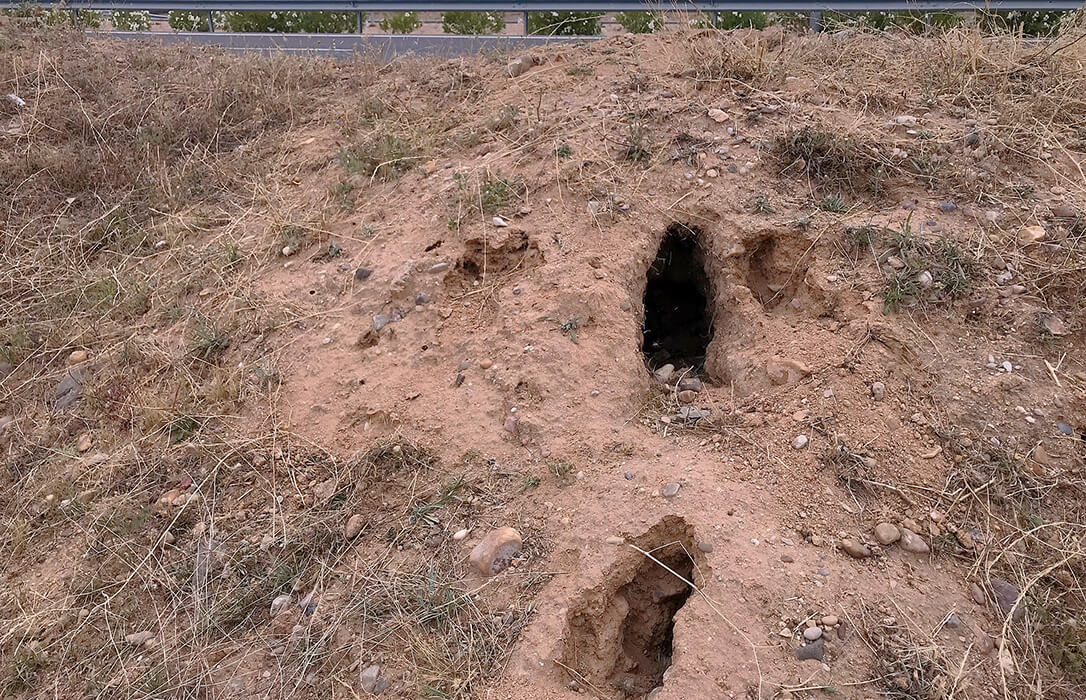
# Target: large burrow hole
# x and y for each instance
(621, 635)
(678, 323)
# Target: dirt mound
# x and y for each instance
(769, 347)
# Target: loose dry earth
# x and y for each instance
(283, 340)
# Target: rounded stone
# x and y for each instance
(912, 542)
(812, 633)
(663, 374)
(856, 550)
(353, 527)
(496, 551)
(887, 533)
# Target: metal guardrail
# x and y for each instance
(454, 45)
(346, 46)
(707, 6)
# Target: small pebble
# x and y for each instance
(856, 550)
(887, 533)
(912, 542)
(353, 527)
(138, 639)
(280, 602)
(496, 551)
(814, 650)
(799, 442)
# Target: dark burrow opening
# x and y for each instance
(646, 636)
(678, 325)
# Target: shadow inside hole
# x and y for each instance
(652, 598)
(677, 326)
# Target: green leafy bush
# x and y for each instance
(915, 22)
(255, 22)
(290, 22)
(326, 22)
(402, 23)
(564, 23)
(186, 21)
(54, 16)
(472, 22)
(640, 22)
(125, 21)
(734, 20)
(1030, 23)
(741, 20)
(87, 18)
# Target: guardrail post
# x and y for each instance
(525, 24)
(358, 21)
(210, 21)
(815, 22)
(715, 18)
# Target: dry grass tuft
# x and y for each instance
(425, 622)
(832, 160)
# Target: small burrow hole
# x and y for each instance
(621, 634)
(647, 633)
(678, 325)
